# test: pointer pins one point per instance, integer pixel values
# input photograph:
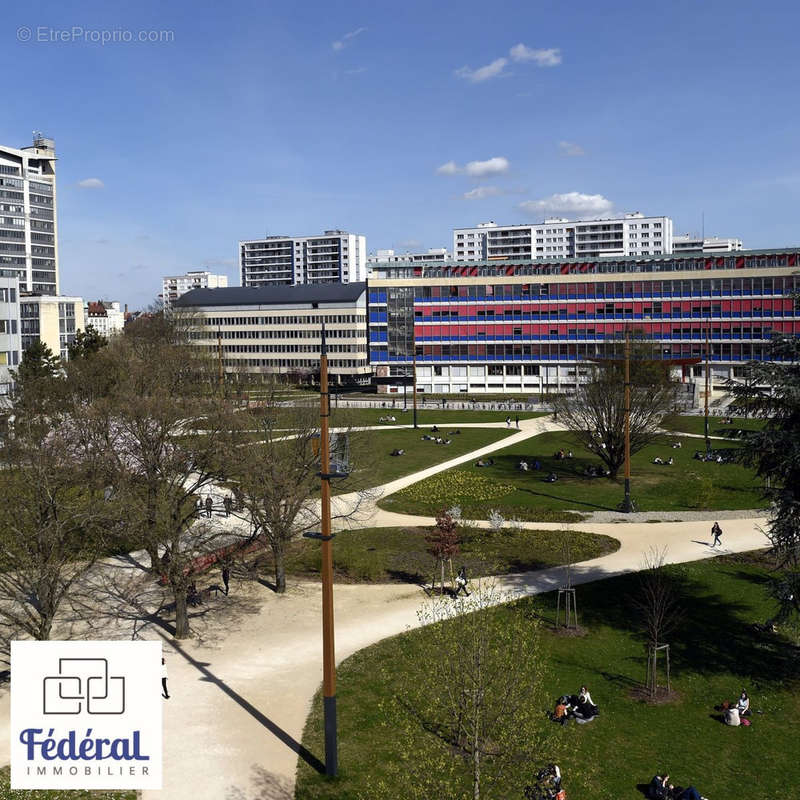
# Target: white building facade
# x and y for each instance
(173, 286)
(10, 341)
(105, 316)
(630, 235)
(334, 257)
(436, 254)
(53, 319)
(28, 227)
(687, 242)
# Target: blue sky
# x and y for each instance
(397, 120)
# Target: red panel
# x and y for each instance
(792, 260)
(584, 267)
(510, 270)
(417, 271)
(564, 269)
(708, 263)
(740, 262)
(473, 271)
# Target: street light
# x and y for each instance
(627, 504)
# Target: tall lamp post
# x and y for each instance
(326, 537)
(414, 371)
(627, 504)
(708, 389)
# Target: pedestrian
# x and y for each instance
(209, 505)
(228, 505)
(226, 577)
(508, 422)
(198, 507)
(716, 532)
(461, 582)
(164, 690)
(516, 421)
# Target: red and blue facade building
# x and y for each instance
(519, 326)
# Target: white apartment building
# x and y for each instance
(685, 242)
(630, 235)
(334, 257)
(106, 317)
(173, 286)
(28, 230)
(435, 254)
(10, 342)
(53, 319)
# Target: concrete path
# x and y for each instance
(241, 697)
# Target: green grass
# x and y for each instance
(7, 793)
(696, 425)
(715, 652)
(399, 554)
(687, 484)
(347, 417)
(373, 466)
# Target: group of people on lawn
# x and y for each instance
(579, 707)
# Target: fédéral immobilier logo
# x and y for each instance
(85, 715)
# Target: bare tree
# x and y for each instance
(163, 426)
(474, 700)
(595, 413)
(276, 477)
(443, 543)
(53, 527)
(657, 604)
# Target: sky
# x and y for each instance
(399, 121)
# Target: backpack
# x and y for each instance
(745, 721)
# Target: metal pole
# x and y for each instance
(328, 655)
(219, 359)
(627, 504)
(414, 375)
(708, 385)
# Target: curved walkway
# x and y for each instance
(233, 727)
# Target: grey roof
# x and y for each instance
(272, 295)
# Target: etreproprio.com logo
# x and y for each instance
(85, 715)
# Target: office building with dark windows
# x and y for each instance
(524, 326)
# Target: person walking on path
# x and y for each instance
(209, 505)
(716, 532)
(508, 422)
(228, 505)
(461, 582)
(516, 421)
(164, 676)
(226, 577)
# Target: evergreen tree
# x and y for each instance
(771, 391)
(86, 343)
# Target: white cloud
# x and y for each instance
(493, 70)
(571, 149)
(492, 166)
(542, 58)
(570, 204)
(410, 244)
(481, 192)
(496, 165)
(347, 39)
(91, 183)
(450, 168)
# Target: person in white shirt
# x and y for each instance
(164, 690)
(585, 697)
(743, 704)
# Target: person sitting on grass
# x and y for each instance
(561, 713)
(658, 460)
(481, 463)
(670, 461)
(658, 788)
(676, 445)
(522, 466)
(743, 704)
(689, 793)
(551, 478)
(537, 465)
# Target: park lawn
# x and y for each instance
(686, 485)
(350, 417)
(373, 466)
(7, 793)
(696, 424)
(715, 653)
(400, 554)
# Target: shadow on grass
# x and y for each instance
(714, 636)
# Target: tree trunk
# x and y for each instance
(441, 562)
(476, 761)
(155, 561)
(280, 569)
(181, 614)
(44, 628)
